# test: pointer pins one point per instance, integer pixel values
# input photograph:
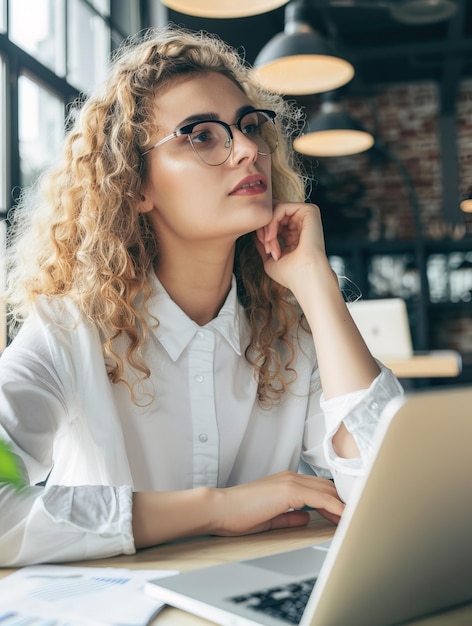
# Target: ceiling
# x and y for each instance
(381, 48)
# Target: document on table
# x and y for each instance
(60, 595)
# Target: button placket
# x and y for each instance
(205, 440)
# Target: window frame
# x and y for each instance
(18, 62)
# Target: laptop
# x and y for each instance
(402, 549)
(385, 327)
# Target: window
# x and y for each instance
(3, 16)
(40, 126)
(3, 200)
(450, 277)
(51, 51)
(393, 276)
(42, 34)
(3, 141)
(88, 45)
(3, 326)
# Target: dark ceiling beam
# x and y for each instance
(452, 63)
(451, 47)
(447, 126)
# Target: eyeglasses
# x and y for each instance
(212, 140)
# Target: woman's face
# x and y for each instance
(188, 199)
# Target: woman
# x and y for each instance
(171, 288)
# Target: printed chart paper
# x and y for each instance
(56, 595)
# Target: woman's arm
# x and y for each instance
(265, 504)
(300, 263)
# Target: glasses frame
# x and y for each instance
(188, 129)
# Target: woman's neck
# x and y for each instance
(198, 286)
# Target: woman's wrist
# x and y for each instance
(314, 280)
(163, 516)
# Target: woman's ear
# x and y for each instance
(145, 203)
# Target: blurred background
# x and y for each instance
(395, 75)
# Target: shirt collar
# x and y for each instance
(176, 329)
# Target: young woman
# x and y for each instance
(182, 341)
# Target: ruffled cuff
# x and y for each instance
(360, 411)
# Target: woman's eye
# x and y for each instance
(204, 134)
(200, 137)
(252, 129)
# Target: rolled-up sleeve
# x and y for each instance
(360, 411)
(59, 524)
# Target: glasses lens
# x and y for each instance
(211, 142)
(259, 126)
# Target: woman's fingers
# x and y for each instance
(276, 501)
(294, 227)
(270, 246)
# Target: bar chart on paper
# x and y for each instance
(55, 595)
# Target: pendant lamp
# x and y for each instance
(223, 8)
(466, 202)
(333, 133)
(300, 61)
(423, 11)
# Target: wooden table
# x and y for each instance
(434, 364)
(201, 552)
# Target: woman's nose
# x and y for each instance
(243, 147)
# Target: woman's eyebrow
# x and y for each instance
(198, 117)
(247, 108)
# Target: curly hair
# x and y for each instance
(80, 232)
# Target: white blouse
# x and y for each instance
(198, 422)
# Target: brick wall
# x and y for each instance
(404, 117)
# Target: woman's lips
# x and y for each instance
(250, 186)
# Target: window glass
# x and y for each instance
(393, 276)
(126, 17)
(450, 277)
(41, 128)
(102, 6)
(3, 16)
(3, 141)
(88, 44)
(37, 26)
(3, 174)
(3, 323)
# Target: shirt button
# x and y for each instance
(374, 406)
(199, 378)
(203, 438)
(199, 335)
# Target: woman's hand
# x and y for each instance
(291, 241)
(264, 504)
(275, 502)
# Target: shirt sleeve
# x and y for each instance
(57, 524)
(49, 523)
(360, 411)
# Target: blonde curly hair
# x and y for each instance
(80, 233)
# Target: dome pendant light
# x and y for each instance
(223, 8)
(333, 133)
(466, 202)
(423, 11)
(299, 61)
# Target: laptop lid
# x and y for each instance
(402, 549)
(384, 325)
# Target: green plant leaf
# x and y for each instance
(9, 470)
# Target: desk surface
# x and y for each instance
(434, 364)
(201, 552)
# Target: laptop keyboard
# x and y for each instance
(284, 602)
